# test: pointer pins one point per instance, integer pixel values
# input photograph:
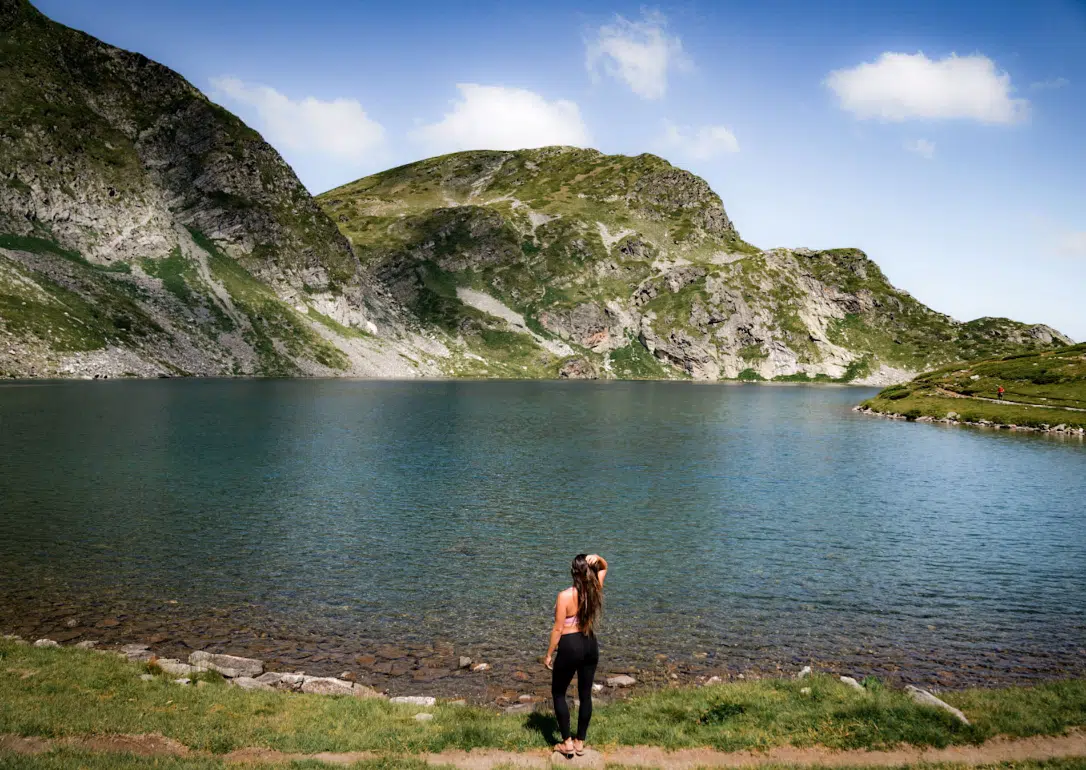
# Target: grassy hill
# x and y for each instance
(1043, 390)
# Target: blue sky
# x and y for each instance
(944, 139)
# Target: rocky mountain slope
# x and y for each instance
(145, 230)
(567, 261)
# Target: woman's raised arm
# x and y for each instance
(600, 564)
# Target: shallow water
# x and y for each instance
(748, 526)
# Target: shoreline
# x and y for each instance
(1055, 430)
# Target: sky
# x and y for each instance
(945, 139)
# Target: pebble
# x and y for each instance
(481, 667)
(465, 662)
(804, 672)
(713, 680)
(597, 687)
(525, 698)
(183, 681)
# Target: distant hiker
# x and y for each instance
(999, 392)
(574, 637)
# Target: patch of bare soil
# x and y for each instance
(1073, 744)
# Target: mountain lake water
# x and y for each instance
(387, 528)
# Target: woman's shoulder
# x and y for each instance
(568, 593)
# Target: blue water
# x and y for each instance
(757, 524)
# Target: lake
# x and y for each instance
(383, 527)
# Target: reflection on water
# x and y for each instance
(758, 523)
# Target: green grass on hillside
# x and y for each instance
(65, 692)
(1033, 381)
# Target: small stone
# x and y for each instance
(852, 683)
(348, 676)
(701, 655)
(622, 680)
(525, 698)
(804, 672)
(458, 702)
(366, 660)
(87, 645)
(481, 667)
(465, 662)
(925, 698)
(230, 666)
(597, 687)
(804, 690)
(414, 700)
(248, 683)
(740, 676)
(147, 677)
(108, 623)
(184, 681)
(71, 622)
(423, 717)
(522, 676)
(46, 643)
(713, 680)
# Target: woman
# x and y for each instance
(574, 637)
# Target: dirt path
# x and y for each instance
(996, 750)
(952, 394)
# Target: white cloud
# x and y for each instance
(499, 118)
(900, 86)
(705, 143)
(1050, 85)
(921, 147)
(1072, 244)
(339, 128)
(639, 53)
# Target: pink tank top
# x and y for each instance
(570, 621)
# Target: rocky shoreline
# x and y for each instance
(952, 418)
(250, 674)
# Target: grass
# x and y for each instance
(1055, 378)
(634, 362)
(65, 692)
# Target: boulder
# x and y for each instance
(230, 666)
(177, 668)
(622, 680)
(414, 700)
(270, 678)
(362, 691)
(46, 643)
(248, 683)
(326, 685)
(290, 681)
(136, 652)
(925, 698)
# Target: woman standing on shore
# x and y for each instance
(574, 638)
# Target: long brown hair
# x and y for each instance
(589, 593)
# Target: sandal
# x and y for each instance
(561, 749)
(578, 751)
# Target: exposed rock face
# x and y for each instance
(635, 265)
(147, 231)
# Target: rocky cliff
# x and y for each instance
(145, 230)
(570, 262)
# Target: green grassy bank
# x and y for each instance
(57, 693)
(1043, 390)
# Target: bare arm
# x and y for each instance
(600, 564)
(561, 606)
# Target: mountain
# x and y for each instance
(145, 230)
(1045, 390)
(567, 261)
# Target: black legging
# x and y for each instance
(577, 654)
